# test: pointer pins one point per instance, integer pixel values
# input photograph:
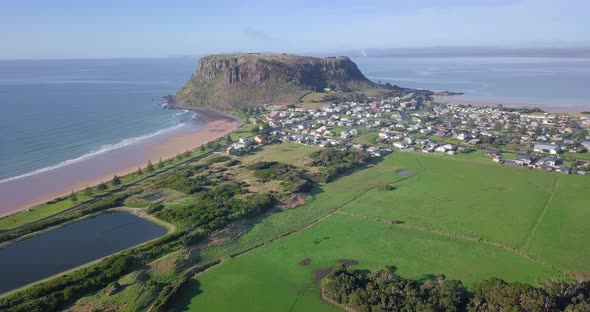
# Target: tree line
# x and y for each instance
(385, 290)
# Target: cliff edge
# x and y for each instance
(242, 80)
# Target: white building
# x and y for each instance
(549, 148)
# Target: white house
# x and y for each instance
(547, 148)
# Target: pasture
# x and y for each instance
(462, 216)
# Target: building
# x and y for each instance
(548, 148)
(260, 139)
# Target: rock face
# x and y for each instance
(230, 81)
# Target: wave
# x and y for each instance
(183, 112)
(102, 150)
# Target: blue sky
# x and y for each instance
(134, 28)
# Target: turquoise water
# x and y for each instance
(53, 111)
(544, 81)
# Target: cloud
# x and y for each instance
(255, 34)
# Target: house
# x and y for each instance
(260, 139)
(586, 144)
(245, 141)
(441, 149)
(400, 145)
(511, 163)
(524, 159)
(549, 161)
(549, 148)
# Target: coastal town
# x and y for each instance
(511, 137)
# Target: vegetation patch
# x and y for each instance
(335, 162)
(385, 290)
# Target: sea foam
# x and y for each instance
(102, 150)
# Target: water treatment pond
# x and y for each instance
(72, 245)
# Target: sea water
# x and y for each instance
(552, 82)
(55, 112)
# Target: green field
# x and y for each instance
(271, 279)
(367, 138)
(462, 216)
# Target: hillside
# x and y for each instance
(229, 81)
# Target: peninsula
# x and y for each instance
(331, 177)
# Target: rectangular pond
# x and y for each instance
(72, 245)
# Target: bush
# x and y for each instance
(217, 159)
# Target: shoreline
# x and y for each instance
(29, 191)
(462, 100)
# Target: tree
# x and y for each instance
(160, 164)
(88, 191)
(102, 186)
(186, 154)
(256, 129)
(150, 167)
(74, 196)
(202, 148)
(116, 180)
(228, 139)
(497, 126)
(139, 171)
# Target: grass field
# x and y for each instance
(39, 212)
(290, 153)
(271, 279)
(367, 138)
(462, 216)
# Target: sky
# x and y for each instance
(45, 29)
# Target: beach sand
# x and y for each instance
(25, 192)
(565, 108)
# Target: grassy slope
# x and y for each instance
(270, 279)
(563, 227)
(447, 206)
(484, 201)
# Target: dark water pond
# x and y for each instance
(405, 172)
(64, 248)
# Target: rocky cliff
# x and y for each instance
(229, 81)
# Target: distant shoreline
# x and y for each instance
(28, 191)
(463, 100)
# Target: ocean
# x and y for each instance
(554, 82)
(56, 112)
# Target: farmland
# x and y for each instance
(456, 215)
(429, 214)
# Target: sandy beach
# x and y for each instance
(25, 192)
(565, 108)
